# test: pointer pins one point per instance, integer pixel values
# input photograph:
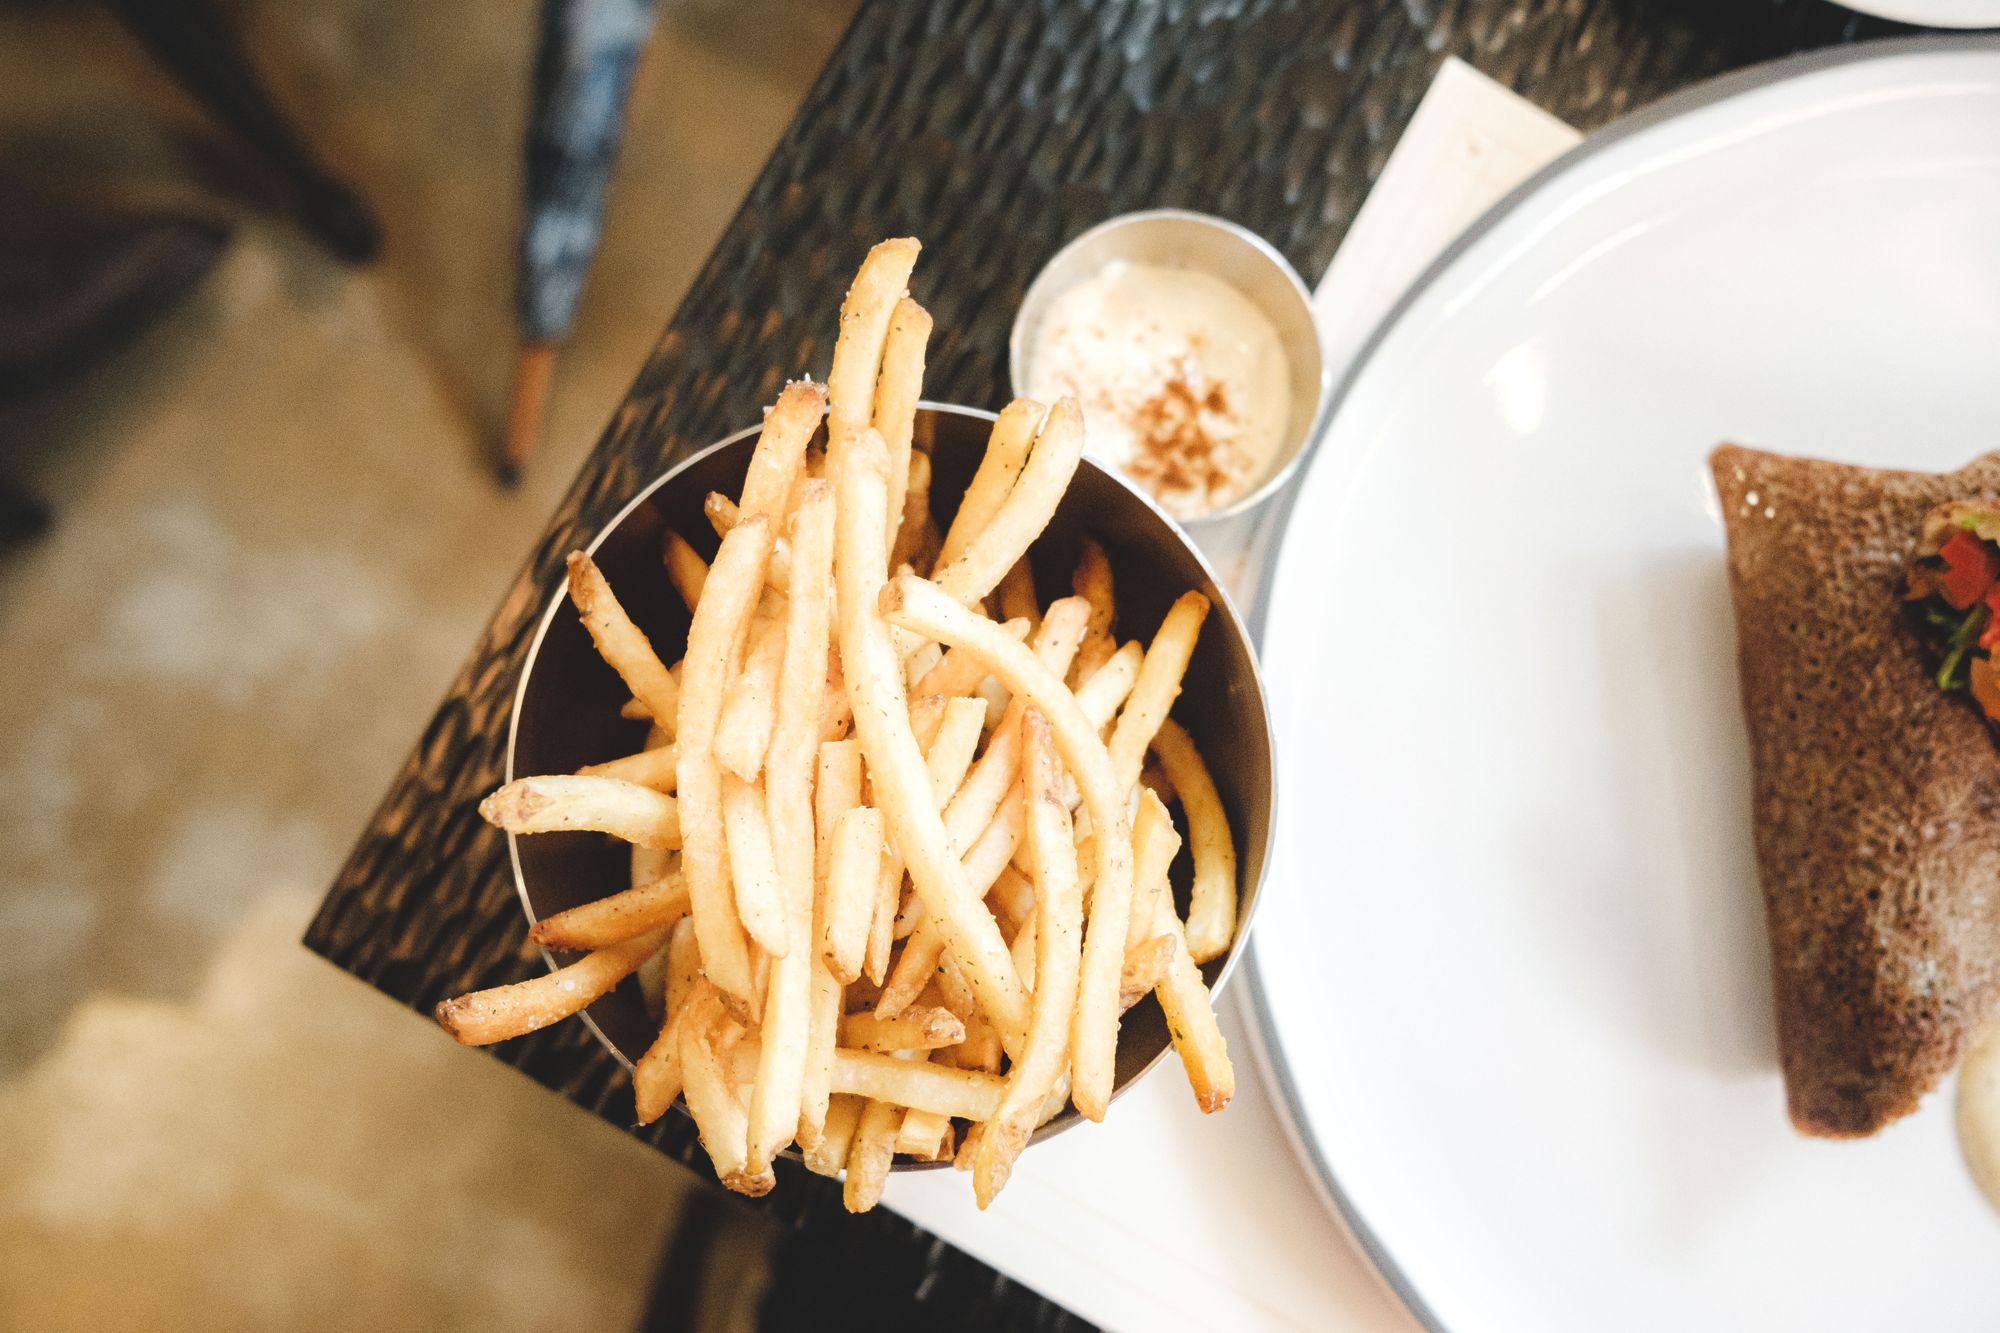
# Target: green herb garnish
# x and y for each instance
(1955, 673)
(1938, 618)
(1981, 523)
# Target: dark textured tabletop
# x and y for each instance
(993, 130)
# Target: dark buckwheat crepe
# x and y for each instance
(1876, 794)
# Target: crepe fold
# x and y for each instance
(1876, 795)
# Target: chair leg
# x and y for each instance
(186, 37)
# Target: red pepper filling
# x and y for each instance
(1953, 599)
(1970, 568)
(1990, 636)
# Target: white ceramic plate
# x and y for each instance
(1512, 968)
(1934, 13)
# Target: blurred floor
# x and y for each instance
(275, 541)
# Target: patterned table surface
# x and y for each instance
(994, 130)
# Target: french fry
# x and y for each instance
(1211, 918)
(995, 695)
(919, 663)
(1158, 684)
(837, 715)
(714, 639)
(924, 959)
(885, 897)
(909, 914)
(686, 570)
(656, 1078)
(926, 715)
(1007, 449)
(962, 1094)
(985, 818)
(918, 964)
(896, 768)
(823, 1004)
(925, 1136)
(1184, 999)
(952, 991)
(615, 919)
(1012, 898)
(1154, 844)
(655, 768)
(897, 390)
(760, 976)
(620, 642)
(1058, 1099)
(723, 514)
(882, 920)
(868, 1160)
(996, 846)
(484, 1017)
(778, 460)
(559, 804)
(1058, 962)
(708, 1040)
(1017, 593)
(927, 609)
(952, 746)
(853, 871)
(968, 1148)
(996, 775)
(1029, 506)
(1023, 949)
(1108, 687)
(916, 536)
(979, 1052)
(1191, 1019)
(836, 790)
(650, 864)
(883, 280)
(1092, 582)
(915, 968)
(1146, 967)
(786, 1058)
(913, 1030)
(827, 1155)
(959, 673)
(743, 731)
(753, 866)
(683, 964)
(933, 997)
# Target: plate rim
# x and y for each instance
(1264, 1039)
(1919, 14)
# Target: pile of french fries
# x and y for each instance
(905, 858)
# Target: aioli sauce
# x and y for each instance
(1979, 1112)
(1184, 384)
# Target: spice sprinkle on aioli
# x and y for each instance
(1184, 383)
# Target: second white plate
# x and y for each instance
(1512, 965)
